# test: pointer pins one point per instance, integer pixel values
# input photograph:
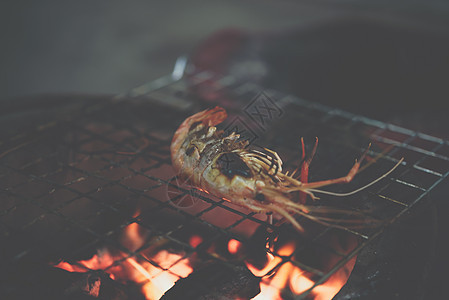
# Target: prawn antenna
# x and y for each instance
(361, 188)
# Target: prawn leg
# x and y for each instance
(304, 177)
(345, 179)
(258, 207)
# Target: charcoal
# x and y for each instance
(54, 283)
(216, 281)
(94, 285)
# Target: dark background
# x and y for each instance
(111, 46)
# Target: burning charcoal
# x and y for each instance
(88, 284)
(254, 250)
(217, 281)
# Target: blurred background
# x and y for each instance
(321, 49)
(112, 46)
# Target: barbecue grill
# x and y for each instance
(76, 173)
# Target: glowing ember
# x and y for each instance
(233, 246)
(195, 240)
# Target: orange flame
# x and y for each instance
(158, 281)
(291, 276)
(155, 281)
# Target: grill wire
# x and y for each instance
(82, 172)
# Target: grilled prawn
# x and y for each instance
(223, 166)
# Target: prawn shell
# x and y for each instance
(227, 184)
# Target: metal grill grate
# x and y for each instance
(72, 177)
